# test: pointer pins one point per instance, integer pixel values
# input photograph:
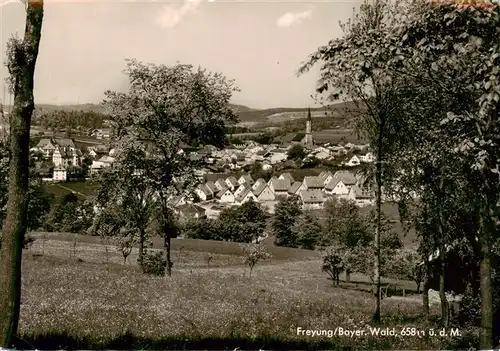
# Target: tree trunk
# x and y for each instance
(425, 288)
(486, 331)
(14, 227)
(442, 254)
(442, 292)
(141, 250)
(168, 268)
(378, 194)
(347, 276)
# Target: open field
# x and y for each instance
(83, 190)
(80, 302)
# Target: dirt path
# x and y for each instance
(71, 190)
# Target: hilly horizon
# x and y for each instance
(245, 113)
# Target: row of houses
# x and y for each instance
(312, 191)
(237, 157)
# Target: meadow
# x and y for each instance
(79, 295)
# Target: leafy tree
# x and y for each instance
(253, 217)
(21, 62)
(344, 224)
(135, 200)
(254, 253)
(461, 42)
(333, 263)
(308, 231)
(296, 152)
(355, 69)
(243, 223)
(205, 229)
(164, 107)
(39, 205)
(285, 215)
(407, 265)
(257, 172)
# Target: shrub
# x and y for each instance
(28, 241)
(154, 263)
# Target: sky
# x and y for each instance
(259, 44)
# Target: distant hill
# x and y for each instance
(45, 108)
(245, 113)
(281, 114)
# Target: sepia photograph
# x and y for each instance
(249, 175)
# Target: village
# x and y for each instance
(225, 175)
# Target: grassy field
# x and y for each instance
(78, 299)
(83, 190)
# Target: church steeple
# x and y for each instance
(308, 137)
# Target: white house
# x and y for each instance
(280, 186)
(295, 188)
(354, 161)
(326, 177)
(287, 176)
(264, 193)
(336, 187)
(232, 183)
(176, 201)
(246, 179)
(203, 192)
(241, 189)
(225, 196)
(212, 187)
(313, 183)
(368, 157)
(311, 199)
(60, 174)
(322, 155)
(245, 196)
(270, 180)
(363, 197)
(221, 184)
(103, 162)
(259, 182)
(278, 156)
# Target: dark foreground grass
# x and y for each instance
(69, 304)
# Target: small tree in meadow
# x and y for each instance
(253, 254)
(333, 263)
(125, 243)
(407, 265)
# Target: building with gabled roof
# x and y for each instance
(347, 177)
(246, 179)
(279, 186)
(203, 192)
(225, 195)
(232, 183)
(212, 187)
(264, 193)
(326, 176)
(258, 182)
(190, 212)
(311, 199)
(221, 184)
(287, 176)
(313, 182)
(294, 188)
(245, 195)
(336, 187)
